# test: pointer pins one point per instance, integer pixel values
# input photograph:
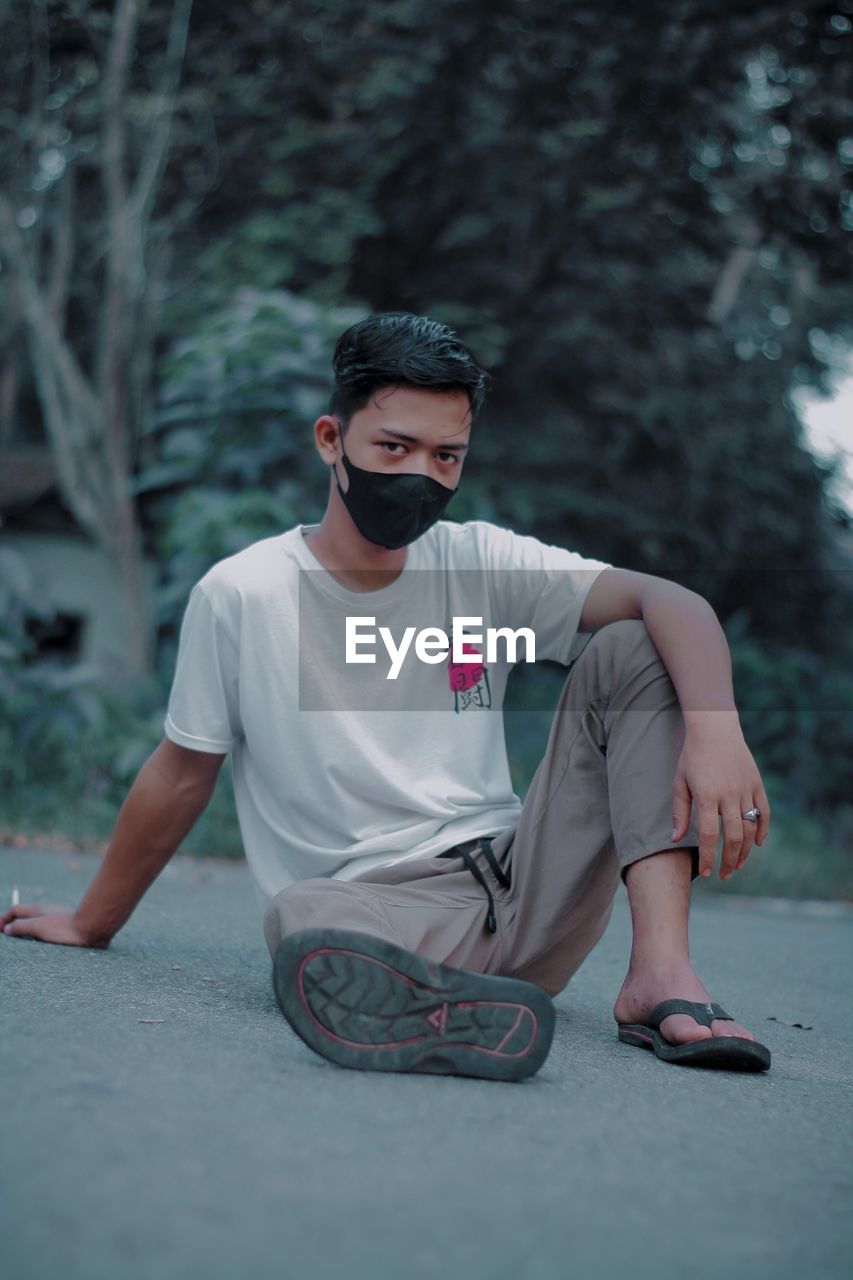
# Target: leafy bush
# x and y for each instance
(796, 710)
(71, 746)
(229, 456)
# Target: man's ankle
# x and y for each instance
(646, 963)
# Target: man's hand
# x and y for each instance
(169, 794)
(45, 924)
(717, 772)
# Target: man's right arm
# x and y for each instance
(170, 793)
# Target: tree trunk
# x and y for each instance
(92, 420)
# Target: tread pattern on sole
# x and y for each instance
(365, 1002)
(369, 1004)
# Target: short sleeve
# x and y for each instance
(542, 586)
(204, 704)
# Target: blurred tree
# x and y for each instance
(231, 457)
(638, 218)
(80, 103)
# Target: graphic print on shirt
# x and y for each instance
(469, 682)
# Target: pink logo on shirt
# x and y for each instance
(469, 681)
(464, 675)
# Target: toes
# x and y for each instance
(722, 1027)
(678, 1028)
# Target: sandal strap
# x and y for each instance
(703, 1012)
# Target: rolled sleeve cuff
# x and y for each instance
(194, 743)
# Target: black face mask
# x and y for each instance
(391, 510)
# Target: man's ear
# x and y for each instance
(327, 437)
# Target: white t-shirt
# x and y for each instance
(336, 767)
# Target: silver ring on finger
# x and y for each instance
(752, 815)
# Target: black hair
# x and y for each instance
(397, 347)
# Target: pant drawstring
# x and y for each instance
(485, 844)
(502, 879)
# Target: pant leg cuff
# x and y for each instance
(694, 869)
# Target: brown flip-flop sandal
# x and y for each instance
(733, 1052)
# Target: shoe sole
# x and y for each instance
(364, 1002)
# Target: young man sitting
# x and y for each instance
(418, 915)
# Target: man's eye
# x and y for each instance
(443, 454)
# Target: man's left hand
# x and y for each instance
(716, 772)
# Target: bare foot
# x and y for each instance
(641, 991)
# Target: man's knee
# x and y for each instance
(621, 664)
(628, 633)
(627, 643)
(290, 909)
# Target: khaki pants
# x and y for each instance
(600, 800)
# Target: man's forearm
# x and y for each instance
(693, 647)
(151, 823)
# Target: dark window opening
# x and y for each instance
(59, 637)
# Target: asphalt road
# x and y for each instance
(160, 1119)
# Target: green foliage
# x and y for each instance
(637, 216)
(639, 220)
(795, 710)
(230, 457)
(71, 747)
(68, 745)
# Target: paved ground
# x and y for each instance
(211, 1143)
